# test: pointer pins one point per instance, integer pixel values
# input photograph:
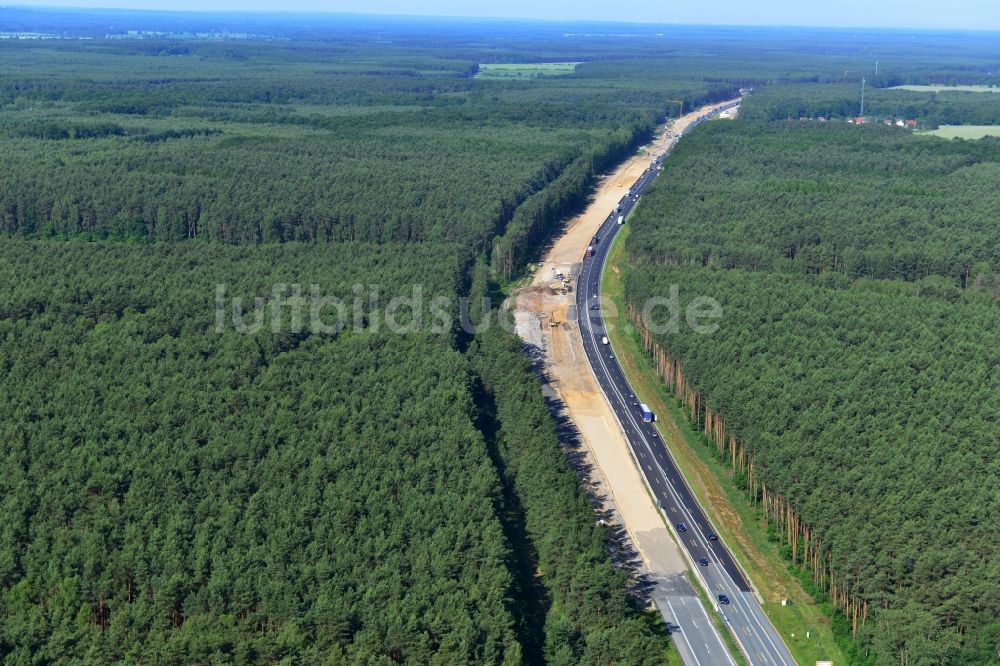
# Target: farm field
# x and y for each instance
(525, 70)
(964, 131)
(975, 89)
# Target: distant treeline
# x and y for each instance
(401, 149)
(844, 101)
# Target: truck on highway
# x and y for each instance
(647, 414)
(621, 219)
(590, 250)
(604, 339)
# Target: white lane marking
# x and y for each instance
(684, 508)
(631, 417)
(756, 618)
(683, 637)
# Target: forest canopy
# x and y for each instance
(872, 202)
(176, 492)
(181, 488)
(173, 493)
(852, 383)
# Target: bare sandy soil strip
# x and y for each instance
(541, 313)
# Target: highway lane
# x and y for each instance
(749, 624)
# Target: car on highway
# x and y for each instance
(681, 527)
(712, 536)
(595, 306)
(703, 561)
(723, 599)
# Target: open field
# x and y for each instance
(739, 525)
(948, 88)
(525, 70)
(964, 131)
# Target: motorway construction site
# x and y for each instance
(544, 316)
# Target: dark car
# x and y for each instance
(723, 599)
(681, 527)
(595, 306)
(712, 536)
(703, 561)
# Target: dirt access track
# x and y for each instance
(541, 314)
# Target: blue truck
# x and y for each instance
(647, 413)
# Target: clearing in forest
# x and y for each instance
(525, 70)
(965, 131)
(948, 88)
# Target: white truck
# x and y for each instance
(621, 219)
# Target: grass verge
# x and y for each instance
(804, 624)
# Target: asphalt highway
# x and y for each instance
(758, 639)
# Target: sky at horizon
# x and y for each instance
(956, 14)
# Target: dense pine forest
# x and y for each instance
(184, 481)
(189, 480)
(875, 203)
(852, 383)
(173, 494)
